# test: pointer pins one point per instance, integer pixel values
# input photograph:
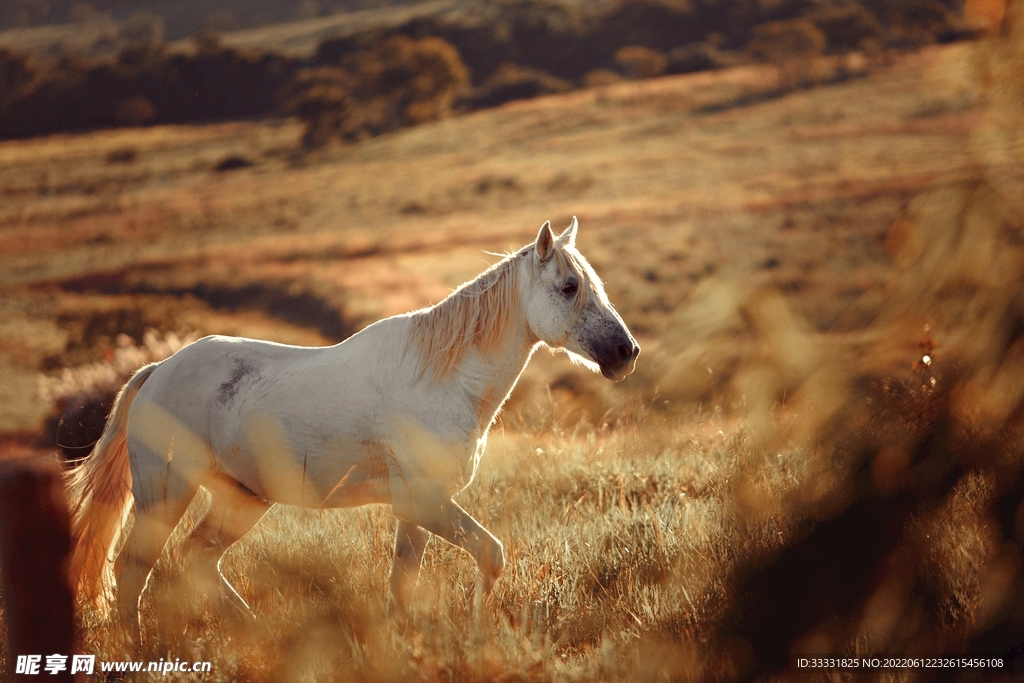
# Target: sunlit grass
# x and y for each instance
(613, 538)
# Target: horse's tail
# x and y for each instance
(100, 493)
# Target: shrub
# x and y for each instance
(233, 162)
(122, 155)
(913, 23)
(514, 82)
(79, 94)
(852, 27)
(82, 397)
(16, 75)
(780, 40)
(698, 57)
(404, 82)
(599, 78)
(636, 61)
(135, 111)
(322, 99)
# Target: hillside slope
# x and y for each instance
(675, 181)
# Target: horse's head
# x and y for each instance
(567, 309)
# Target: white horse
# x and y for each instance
(397, 413)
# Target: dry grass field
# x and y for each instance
(820, 449)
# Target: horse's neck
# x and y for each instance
(490, 376)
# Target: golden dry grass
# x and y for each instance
(593, 527)
(786, 260)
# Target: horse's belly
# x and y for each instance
(355, 493)
(311, 473)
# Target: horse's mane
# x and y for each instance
(478, 313)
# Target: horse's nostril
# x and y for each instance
(624, 352)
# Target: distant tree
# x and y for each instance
(636, 61)
(849, 27)
(16, 74)
(513, 82)
(599, 78)
(913, 23)
(321, 97)
(404, 82)
(779, 41)
(134, 111)
(699, 57)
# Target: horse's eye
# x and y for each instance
(570, 288)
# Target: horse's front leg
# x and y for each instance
(455, 525)
(410, 541)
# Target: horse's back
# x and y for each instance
(212, 373)
(191, 397)
(269, 412)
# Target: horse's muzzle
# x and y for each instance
(617, 359)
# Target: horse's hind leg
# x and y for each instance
(233, 512)
(161, 499)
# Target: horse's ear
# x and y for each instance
(545, 240)
(568, 237)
